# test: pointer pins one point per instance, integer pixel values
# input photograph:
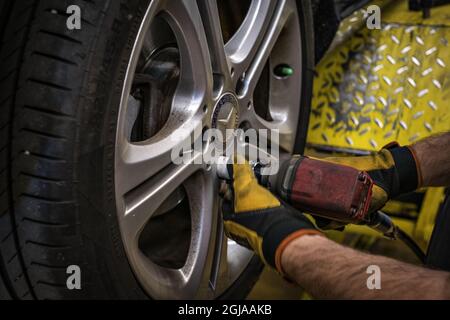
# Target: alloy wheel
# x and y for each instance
(182, 76)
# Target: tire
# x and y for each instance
(326, 23)
(59, 97)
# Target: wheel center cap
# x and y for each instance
(226, 113)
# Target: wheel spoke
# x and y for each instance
(237, 259)
(213, 31)
(137, 163)
(185, 20)
(242, 47)
(282, 129)
(203, 202)
(142, 202)
(230, 260)
(189, 281)
(283, 11)
(218, 263)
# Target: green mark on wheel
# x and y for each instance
(283, 71)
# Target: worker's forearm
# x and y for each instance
(328, 270)
(433, 156)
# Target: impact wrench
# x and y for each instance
(323, 189)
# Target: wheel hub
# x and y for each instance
(226, 113)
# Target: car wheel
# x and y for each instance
(90, 119)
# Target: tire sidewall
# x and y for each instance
(107, 261)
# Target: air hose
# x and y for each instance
(384, 224)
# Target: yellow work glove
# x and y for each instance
(394, 171)
(256, 219)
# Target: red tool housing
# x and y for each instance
(331, 190)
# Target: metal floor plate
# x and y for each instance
(350, 76)
(378, 86)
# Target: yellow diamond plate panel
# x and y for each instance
(384, 85)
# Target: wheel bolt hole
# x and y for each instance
(240, 85)
(218, 81)
(249, 105)
(244, 126)
(205, 108)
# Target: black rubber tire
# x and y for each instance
(59, 95)
(326, 24)
(438, 254)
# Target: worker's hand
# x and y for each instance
(256, 219)
(393, 170)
